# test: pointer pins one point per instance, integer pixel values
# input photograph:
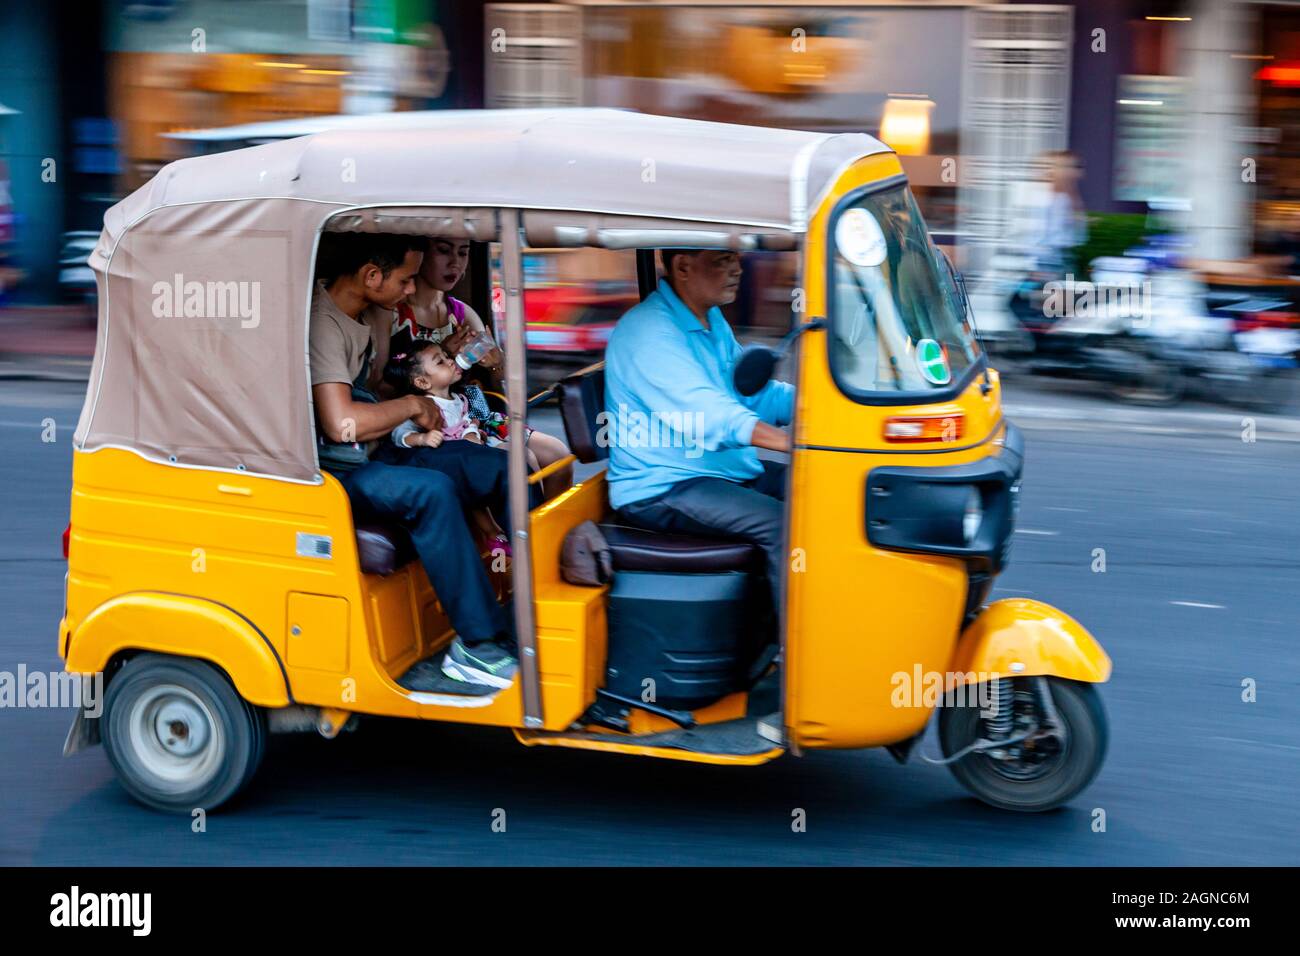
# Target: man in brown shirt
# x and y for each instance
(363, 279)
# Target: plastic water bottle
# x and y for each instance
(473, 350)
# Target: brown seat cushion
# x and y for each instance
(383, 548)
(635, 549)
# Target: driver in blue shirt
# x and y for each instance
(683, 443)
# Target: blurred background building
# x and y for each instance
(1195, 100)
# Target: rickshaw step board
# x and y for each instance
(426, 676)
(738, 739)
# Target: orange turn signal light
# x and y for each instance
(945, 428)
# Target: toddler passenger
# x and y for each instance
(429, 370)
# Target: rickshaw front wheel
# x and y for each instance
(179, 735)
(1043, 771)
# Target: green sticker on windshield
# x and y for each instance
(932, 362)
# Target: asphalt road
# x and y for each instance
(1202, 540)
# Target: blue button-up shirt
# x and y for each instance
(671, 411)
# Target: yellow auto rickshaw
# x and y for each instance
(219, 584)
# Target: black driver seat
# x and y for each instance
(636, 549)
(582, 398)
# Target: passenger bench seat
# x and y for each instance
(383, 548)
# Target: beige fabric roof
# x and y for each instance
(204, 273)
(598, 160)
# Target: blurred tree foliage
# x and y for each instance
(1110, 234)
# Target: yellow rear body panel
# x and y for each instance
(205, 564)
(186, 626)
(155, 547)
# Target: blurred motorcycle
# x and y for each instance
(1149, 329)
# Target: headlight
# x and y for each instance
(973, 516)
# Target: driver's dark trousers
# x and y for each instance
(752, 511)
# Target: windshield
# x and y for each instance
(898, 321)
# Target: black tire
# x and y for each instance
(179, 735)
(1080, 709)
(1159, 385)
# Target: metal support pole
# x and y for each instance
(516, 354)
(647, 277)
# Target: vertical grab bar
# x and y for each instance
(516, 355)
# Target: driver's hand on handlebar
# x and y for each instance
(772, 438)
(426, 414)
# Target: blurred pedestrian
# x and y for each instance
(1052, 221)
(1045, 223)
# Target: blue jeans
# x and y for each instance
(427, 503)
(479, 474)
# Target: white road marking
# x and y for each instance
(1198, 604)
(1256, 743)
(1049, 534)
(1198, 425)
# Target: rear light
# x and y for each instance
(945, 428)
(67, 535)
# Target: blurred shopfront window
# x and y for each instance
(215, 63)
(1276, 133)
(892, 71)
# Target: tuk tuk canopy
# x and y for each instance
(205, 273)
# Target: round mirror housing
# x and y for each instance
(754, 369)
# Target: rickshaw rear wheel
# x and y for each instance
(1037, 778)
(179, 735)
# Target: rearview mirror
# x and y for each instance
(754, 369)
(757, 364)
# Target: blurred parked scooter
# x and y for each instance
(1210, 340)
(1146, 325)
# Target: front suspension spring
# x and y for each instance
(1002, 693)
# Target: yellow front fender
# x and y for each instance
(187, 627)
(1017, 637)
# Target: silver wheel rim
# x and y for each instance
(175, 739)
